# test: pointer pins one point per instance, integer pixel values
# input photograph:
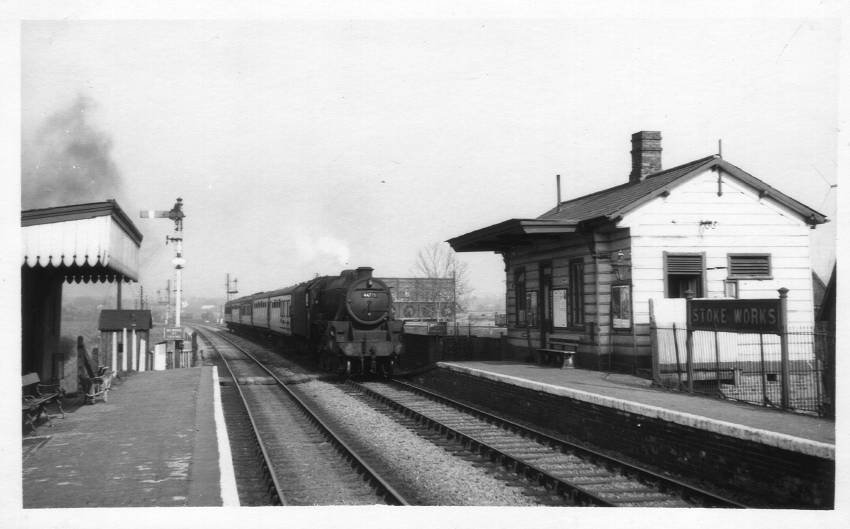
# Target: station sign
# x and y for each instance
(735, 315)
(173, 333)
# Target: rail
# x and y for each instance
(664, 483)
(384, 489)
(275, 492)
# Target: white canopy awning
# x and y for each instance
(90, 242)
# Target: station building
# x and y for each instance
(89, 243)
(585, 271)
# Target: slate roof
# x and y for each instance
(612, 203)
(116, 320)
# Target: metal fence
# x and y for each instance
(749, 367)
(454, 329)
(458, 341)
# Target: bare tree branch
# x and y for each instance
(439, 260)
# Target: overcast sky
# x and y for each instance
(309, 146)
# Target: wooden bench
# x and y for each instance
(559, 353)
(97, 386)
(36, 396)
(95, 383)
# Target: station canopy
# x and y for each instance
(93, 242)
(510, 233)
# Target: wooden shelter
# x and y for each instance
(94, 242)
(124, 339)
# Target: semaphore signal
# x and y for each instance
(175, 214)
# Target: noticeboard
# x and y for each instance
(621, 306)
(173, 333)
(735, 315)
(559, 307)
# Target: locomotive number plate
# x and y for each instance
(368, 294)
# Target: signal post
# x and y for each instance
(174, 335)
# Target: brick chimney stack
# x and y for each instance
(646, 154)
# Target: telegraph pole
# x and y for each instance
(227, 287)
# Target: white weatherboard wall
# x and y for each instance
(744, 224)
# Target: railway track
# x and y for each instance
(579, 475)
(304, 460)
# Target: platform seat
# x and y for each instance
(559, 352)
(98, 386)
(35, 398)
(94, 381)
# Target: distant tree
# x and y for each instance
(439, 260)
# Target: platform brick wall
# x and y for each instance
(769, 476)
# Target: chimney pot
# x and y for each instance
(646, 154)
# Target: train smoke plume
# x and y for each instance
(68, 161)
(321, 251)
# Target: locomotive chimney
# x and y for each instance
(364, 272)
(646, 154)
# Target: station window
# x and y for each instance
(683, 272)
(531, 304)
(621, 306)
(520, 297)
(576, 293)
(749, 266)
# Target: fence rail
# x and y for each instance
(457, 342)
(749, 367)
(454, 329)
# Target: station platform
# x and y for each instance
(159, 441)
(802, 434)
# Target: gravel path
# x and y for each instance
(442, 478)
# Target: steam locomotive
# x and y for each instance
(345, 322)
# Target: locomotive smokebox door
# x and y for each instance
(368, 300)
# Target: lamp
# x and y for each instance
(622, 268)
